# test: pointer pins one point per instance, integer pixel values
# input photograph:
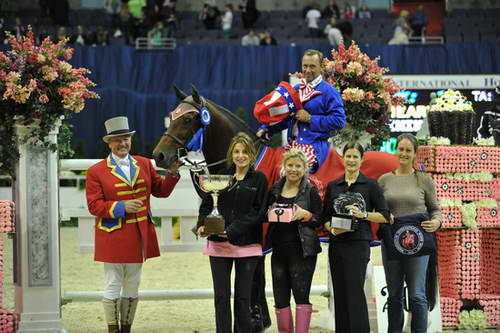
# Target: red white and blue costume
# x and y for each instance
(324, 103)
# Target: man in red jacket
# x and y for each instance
(118, 192)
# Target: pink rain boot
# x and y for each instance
(303, 317)
(284, 320)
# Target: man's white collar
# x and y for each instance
(316, 81)
(119, 160)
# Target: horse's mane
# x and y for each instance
(235, 118)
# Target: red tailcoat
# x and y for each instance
(122, 237)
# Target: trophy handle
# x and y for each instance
(232, 185)
(196, 180)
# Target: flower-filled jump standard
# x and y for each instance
(37, 88)
(366, 94)
(452, 117)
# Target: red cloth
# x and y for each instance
(308, 150)
(273, 107)
(135, 241)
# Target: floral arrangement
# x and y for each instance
(451, 100)
(439, 141)
(7, 216)
(367, 95)
(468, 176)
(37, 88)
(491, 307)
(469, 215)
(472, 320)
(490, 141)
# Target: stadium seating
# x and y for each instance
(472, 25)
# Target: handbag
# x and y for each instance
(406, 238)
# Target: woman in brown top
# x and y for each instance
(409, 192)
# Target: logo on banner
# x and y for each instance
(408, 240)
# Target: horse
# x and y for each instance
(185, 122)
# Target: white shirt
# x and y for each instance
(123, 163)
(248, 40)
(312, 18)
(334, 35)
(227, 20)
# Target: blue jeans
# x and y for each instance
(413, 271)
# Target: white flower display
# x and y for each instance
(452, 100)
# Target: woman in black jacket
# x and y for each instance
(295, 244)
(243, 208)
(349, 251)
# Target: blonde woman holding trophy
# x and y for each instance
(242, 207)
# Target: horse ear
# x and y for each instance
(195, 94)
(179, 93)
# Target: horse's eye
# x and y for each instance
(187, 120)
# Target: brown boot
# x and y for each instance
(111, 313)
(128, 308)
(113, 329)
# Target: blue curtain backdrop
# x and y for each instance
(138, 83)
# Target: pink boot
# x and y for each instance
(284, 320)
(303, 317)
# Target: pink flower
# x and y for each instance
(354, 67)
(41, 58)
(68, 54)
(353, 94)
(43, 99)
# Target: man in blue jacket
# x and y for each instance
(323, 113)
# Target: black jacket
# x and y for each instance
(309, 199)
(243, 208)
(374, 199)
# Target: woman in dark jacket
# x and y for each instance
(295, 244)
(243, 208)
(349, 252)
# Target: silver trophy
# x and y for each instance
(214, 184)
(343, 218)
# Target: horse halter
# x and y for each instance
(178, 140)
(183, 150)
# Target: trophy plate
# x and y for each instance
(343, 221)
(214, 225)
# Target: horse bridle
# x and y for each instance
(175, 138)
(183, 150)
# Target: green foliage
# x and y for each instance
(64, 141)
(73, 222)
(472, 320)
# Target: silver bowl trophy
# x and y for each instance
(214, 184)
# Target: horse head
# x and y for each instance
(184, 123)
(195, 113)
